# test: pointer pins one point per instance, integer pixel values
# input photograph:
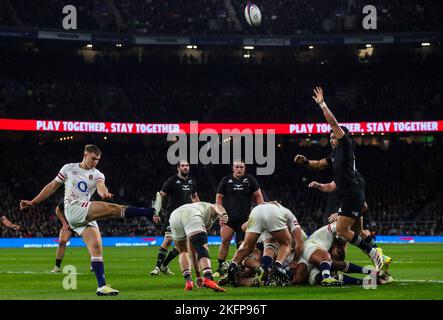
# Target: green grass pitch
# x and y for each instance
(24, 274)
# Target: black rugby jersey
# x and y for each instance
(237, 195)
(342, 160)
(179, 192)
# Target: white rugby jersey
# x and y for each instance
(80, 184)
(324, 236)
(205, 209)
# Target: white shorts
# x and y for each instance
(185, 222)
(309, 248)
(76, 212)
(266, 217)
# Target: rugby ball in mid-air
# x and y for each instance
(252, 14)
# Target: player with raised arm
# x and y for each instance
(235, 193)
(331, 188)
(268, 217)
(350, 195)
(81, 180)
(8, 224)
(180, 189)
(189, 223)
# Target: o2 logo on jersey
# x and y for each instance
(82, 186)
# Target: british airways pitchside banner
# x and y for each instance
(156, 241)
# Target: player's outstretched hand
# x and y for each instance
(106, 195)
(300, 159)
(16, 227)
(318, 97)
(314, 184)
(25, 204)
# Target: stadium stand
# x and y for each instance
(223, 88)
(403, 196)
(282, 17)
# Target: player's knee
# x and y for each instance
(245, 245)
(327, 257)
(198, 242)
(96, 250)
(62, 243)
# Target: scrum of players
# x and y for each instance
(272, 248)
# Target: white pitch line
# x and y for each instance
(421, 281)
(398, 261)
(33, 272)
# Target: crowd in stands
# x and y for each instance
(402, 183)
(48, 82)
(280, 17)
(220, 88)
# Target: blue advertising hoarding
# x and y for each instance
(156, 241)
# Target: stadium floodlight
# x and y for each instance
(311, 47)
(119, 45)
(248, 47)
(89, 46)
(425, 44)
(246, 56)
(189, 47)
(368, 45)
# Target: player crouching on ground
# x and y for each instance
(323, 252)
(191, 222)
(268, 217)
